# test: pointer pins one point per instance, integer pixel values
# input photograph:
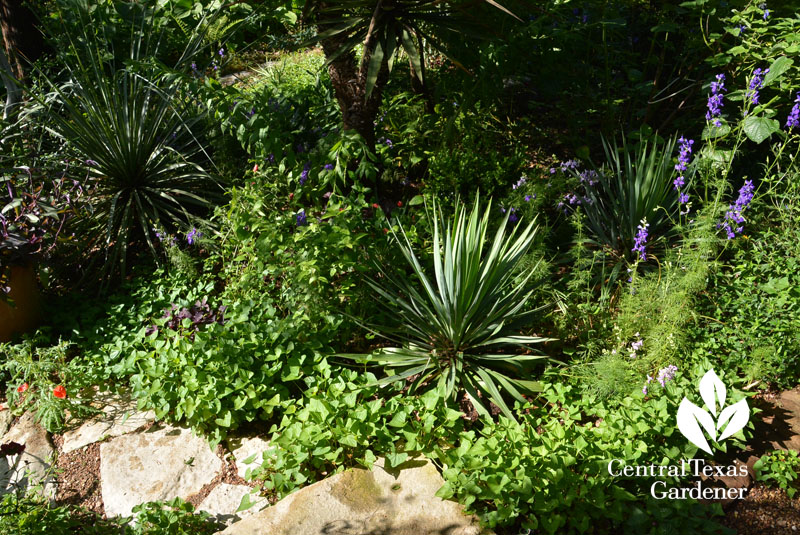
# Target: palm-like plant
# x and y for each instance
(133, 132)
(634, 185)
(451, 324)
(384, 30)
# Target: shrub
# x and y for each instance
(131, 129)
(469, 307)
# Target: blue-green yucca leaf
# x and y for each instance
(450, 320)
(632, 185)
(133, 126)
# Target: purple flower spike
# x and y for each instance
(755, 85)
(715, 101)
(641, 240)
(794, 116)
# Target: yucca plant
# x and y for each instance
(131, 129)
(451, 322)
(632, 185)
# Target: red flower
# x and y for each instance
(60, 392)
(399, 203)
(386, 231)
(22, 388)
(291, 196)
(255, 168)
(376, 205)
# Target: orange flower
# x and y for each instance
(60, 392)
(22, 388)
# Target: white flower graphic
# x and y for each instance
(691, 417)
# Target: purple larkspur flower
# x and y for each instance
(588, 177)
(684, 153)
(794, 116)
(519, 183)
(715, 101)
(193, 235)
(734, 220)
(222, 52)
(666, 374)
(683, 198)
(512, 216)
(301, 218)
(304, 174)
(755, 84)
(639, 244)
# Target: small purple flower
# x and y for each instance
(666, 374)
(641, 240)
(519, 183)
(794, 116)
(552, 170)
(389, 143)
(742, 29)
(304, 174)
(271, 158)
(193, 235)
(251, 112)
(529, 197)
(715, 101)
(755, 84)
(766, 14)
(589, 177)
(512, 216)
(194, 66)
(328, 167)
(301, 218)
(683, 198)
(222, 52)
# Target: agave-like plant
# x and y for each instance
(451, 322)
(633, 185)
(131, 130)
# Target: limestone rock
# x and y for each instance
(248, 447)
(5, 421)
(224, 500)
(158, 464)
(119, 417)
(364, 502)
(33, 465)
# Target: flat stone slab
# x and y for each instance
(365, 502)
(119, 417)
(5, 421)
(223, 501)
(248, 448)
(158, 464)
(33, 465)
(789, 402)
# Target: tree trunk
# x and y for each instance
(13, 90)
(22, 39)
(349, 81)
(349, 84)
